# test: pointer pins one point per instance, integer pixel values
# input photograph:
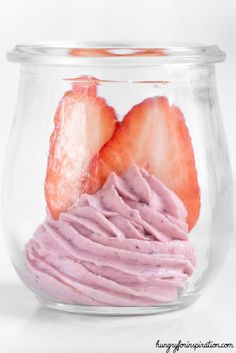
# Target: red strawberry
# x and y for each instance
(91, 52)
(153, 135)
(83, 124)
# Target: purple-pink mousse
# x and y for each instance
(126, 245)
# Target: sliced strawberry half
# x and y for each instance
(83, 124)
(153, 135)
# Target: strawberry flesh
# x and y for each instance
(117, 52)
(153, 135)
(83, 124)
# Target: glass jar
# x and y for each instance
(117, 187)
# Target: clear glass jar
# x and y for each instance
(117, 188)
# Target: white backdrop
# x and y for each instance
(200, 21)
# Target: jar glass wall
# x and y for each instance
(117, 187)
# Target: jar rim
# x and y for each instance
(74, 53)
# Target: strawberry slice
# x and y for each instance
(104, 52)
(83, 124)
(153, 135)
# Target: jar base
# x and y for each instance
(121, 310)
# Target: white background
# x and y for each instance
(24, 327)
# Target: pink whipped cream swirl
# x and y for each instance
(126, 245)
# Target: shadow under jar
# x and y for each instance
(117, 187)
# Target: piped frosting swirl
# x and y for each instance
(126, 245)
